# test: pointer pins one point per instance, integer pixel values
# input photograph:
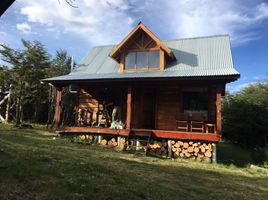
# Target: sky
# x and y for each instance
(100, 22)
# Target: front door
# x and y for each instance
(148, 109)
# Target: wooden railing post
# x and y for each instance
(58, 109)
(218, 111)
(128, 120)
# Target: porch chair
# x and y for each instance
(182, 122)
(197, 122)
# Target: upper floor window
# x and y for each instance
(142, 60)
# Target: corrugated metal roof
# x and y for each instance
(203, 56)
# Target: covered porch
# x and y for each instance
(165, 109)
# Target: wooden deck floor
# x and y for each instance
(163, 134)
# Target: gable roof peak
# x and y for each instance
(141, 26)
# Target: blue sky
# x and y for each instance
(100, 22)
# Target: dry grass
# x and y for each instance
(34, 166)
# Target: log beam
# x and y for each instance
(58, 109)
(128, 120)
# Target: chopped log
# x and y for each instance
(110, 143)
(174, 149)
(103, 142)
(184, 151)
(187, 154)
(113, 140)
(177, 145)
(195, 145)
(190, 149)
(182, 155)
(196, 149)
(185, 145)
(180, 143)
(203, 149)
(191, 143)
(208, 154)
(178, 149)
(172, 142)
(114, 144)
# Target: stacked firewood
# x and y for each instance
(195, 150)
(110, 142)
(159, 147)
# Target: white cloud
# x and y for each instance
(190, 18)
(108, 21)
(24, 28)
(98, 21)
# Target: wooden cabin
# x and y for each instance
(171, 89)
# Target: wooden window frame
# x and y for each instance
(147, 60)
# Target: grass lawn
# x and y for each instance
(35, 166)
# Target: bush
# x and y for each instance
(245, 116)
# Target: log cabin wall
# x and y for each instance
(91, 98)
(88, 99)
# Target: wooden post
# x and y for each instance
(100, 138)
(218, 110)
(128, 120)
(214, 153)
(57, 109)
(169, 149)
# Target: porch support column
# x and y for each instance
(57, 109)
(128, 120)
(218, 111)
(214, 153)
(169, 149)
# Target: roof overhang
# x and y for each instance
(117, 50)
(220, 78)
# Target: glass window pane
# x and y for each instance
(130, 61)
(153, 60)
(141, 60)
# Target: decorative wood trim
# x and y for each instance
(162, 60)
(149, 33)
(58, 108)
(143, 49)
(128, 120)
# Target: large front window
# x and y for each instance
(142, 60)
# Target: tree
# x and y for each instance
(245, 116)
(28, 66)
